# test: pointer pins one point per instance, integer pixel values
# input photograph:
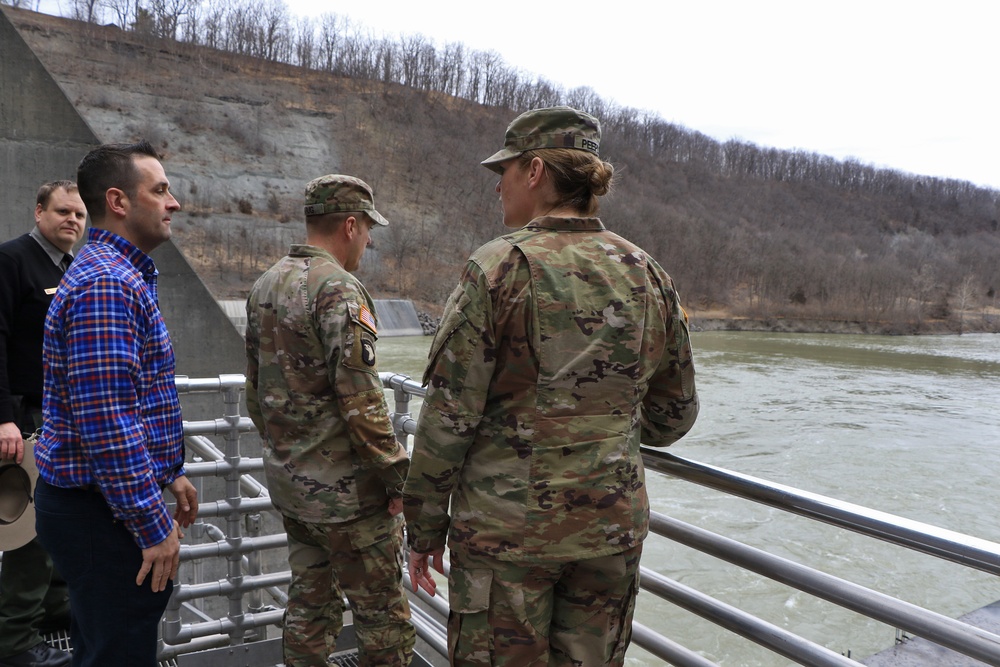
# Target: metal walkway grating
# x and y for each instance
(60, 640)
(219, 657)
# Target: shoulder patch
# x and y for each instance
(368, 351)
(367, 318)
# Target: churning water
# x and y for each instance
(905, 425)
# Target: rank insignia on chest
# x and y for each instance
(368, 352)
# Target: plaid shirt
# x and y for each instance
(112, 417)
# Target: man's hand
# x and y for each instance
(162, 559)
(187, 500)
(11, 444)
(420, 574)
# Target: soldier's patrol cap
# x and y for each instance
(336, 193)
(551, 127)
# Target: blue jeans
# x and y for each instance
(114, 621)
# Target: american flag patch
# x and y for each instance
(367, 318)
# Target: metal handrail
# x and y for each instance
(243, 576)
(949, 545)
(938, 542)
(916, 620)
(245, 496)
(766, 634)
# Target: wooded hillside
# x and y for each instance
(248, 107)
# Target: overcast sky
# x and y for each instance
(907, 84)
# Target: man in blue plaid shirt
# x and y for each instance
(112, 439)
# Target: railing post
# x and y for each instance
(255, 605)
(234, 526)
(401, 408)
(197, 534)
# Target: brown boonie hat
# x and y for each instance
(336, 193)
(551, 127)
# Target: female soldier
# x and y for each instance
(561, 347)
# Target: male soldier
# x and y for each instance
(333, 465)
(112, 441)
(32, 596)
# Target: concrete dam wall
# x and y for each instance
(43, 138)
(396, 317)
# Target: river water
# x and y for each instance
(904, 425)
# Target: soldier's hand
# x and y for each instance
(11, 444)
(395, 506)
(419, 570)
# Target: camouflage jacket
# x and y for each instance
(562, 345)
(313, 391)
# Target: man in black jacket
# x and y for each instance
(31, 266)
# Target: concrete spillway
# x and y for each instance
(396, 317)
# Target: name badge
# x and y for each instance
(49, 291)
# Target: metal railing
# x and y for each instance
(241, 542)
(938, 542)
(955, 547)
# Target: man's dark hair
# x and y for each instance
(109, 166)
(45, 192)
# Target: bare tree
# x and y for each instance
(192, 26)
(330, 38)
(401, 244)
(213, 26)
(242, 24)
(963, 298)
(167, 15)
(586, 99)
(123, 11)
(273, 41)
(305, 43)
(451, 69)
(85, 10)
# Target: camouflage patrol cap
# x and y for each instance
(551, 127)
(335, 193)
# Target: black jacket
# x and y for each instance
(26, 272)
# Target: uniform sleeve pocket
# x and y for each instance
(359, 341)
(453, 319)
(469, 590)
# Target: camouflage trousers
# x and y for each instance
(508, 614)
(362, 560)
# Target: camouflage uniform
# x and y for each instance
(362, 560)
(562, 346)
(331, 458)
